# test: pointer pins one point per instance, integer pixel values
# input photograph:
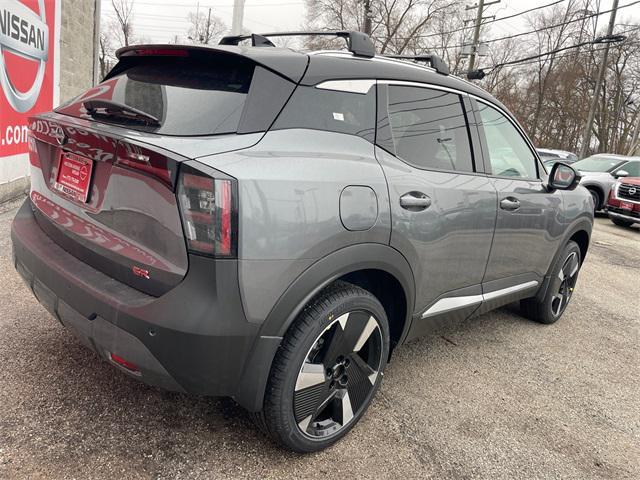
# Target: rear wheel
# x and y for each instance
(620, 223)
(560, 290)
(328, 369)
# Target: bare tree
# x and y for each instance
(124, 17)
(205, 28)
(105, 54)
(397, 25)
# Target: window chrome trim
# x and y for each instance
(449, 304)
(361, 87)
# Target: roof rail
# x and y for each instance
(358, 43)
(434, 61)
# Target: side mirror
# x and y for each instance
(621, 173)
(563, 177)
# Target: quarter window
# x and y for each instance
(509, 154)
(429, 128)
(334, 111)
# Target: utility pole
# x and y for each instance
(476, 35)
(367, 17)
(238, 15)
(208, 30)
(586, 138)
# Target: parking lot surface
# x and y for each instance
(494, 397)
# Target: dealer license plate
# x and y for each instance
(626, 205)
(74, 176)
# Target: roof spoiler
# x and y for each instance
(431, 58)
(358, 43)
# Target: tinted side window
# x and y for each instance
(334, 111)
(509, 154)
(429, 128)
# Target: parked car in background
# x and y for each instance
(599, 173)
(550, 156)
(269, 225)
(623, 205)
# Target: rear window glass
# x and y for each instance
(187, 96)
(334, 111)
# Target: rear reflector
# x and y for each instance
(124, 363)
(209, 213)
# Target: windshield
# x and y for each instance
(187, 96)
(598, 164)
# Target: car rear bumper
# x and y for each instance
(194, 338)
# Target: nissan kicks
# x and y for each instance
(269, 225)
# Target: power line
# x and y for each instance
(551, 52)
(489, 21)
(523, 33)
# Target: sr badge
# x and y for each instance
(24, 33)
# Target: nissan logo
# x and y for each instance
(632, 191)
(24, 33)
(60, 136)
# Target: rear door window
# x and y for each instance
(188, 96)
(430, 129)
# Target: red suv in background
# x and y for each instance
(623, 205)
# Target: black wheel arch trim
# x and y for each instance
(581, 224)
(367, 256)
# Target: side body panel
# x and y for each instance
(448, 244)
(290, 188)
(525, 239)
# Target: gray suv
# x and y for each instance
(269, 225)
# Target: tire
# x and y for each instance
(327, 370)
(597, 200)
(560, 290)
(620, 223)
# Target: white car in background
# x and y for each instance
(550, 156)
(599, 173)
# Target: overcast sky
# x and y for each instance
(160, 20)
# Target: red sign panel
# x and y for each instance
(28, 53)
(74, 176)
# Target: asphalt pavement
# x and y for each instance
(496, 397)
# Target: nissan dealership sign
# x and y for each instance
(29, 38)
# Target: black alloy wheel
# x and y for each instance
(338, 374)
(327, 369)
(549, 304)
(568, 276)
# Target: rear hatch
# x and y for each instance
(105, 166)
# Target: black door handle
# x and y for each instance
(510, 204)
(415, 201)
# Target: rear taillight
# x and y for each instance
(209, 212)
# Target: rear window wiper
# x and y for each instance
(111, 108)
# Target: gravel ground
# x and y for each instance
(495, 397)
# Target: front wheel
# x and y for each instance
(596, 199)
(560, 290)
(327, 370)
